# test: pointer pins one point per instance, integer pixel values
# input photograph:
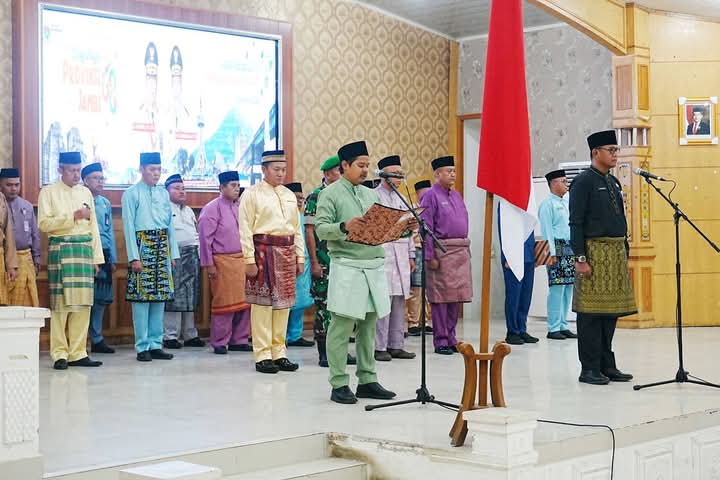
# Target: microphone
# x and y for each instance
(645, 174)
(381, 174)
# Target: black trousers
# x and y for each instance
(595, 335)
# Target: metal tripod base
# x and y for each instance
(680, 377)
(423, 396)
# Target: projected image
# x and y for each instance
(112, 88)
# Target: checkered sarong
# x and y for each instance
(70, 271)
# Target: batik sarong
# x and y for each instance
(186, 278)
(563, 272)
(70, 272)
(274, 284)
(607, 291)
(227, 294)
(103, 281)
(154, 283)
(4, 285)
(452, 282)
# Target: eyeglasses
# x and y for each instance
(610, 150)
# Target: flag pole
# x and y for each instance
(485, 299)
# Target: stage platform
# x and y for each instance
(127, 410)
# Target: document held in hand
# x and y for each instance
(382, 225)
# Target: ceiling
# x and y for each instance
(458, 19)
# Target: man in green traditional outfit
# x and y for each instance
(320, 260)
(357, 290)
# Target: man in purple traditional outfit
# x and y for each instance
(399, 263)
(449, 276)
(221, 255)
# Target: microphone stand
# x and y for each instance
(423, 393)
(681, 376)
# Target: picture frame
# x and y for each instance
(697, 120)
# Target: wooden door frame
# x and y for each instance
(460, 145)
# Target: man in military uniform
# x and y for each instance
(320, 260)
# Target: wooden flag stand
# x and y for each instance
(477, 365)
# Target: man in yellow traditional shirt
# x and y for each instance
(273, 248)
(66, 213)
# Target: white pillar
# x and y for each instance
(19, 417)
(502, 440)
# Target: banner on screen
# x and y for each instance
(112, 88)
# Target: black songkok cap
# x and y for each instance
(600, 139)
(175, 178)
(352, 150)
(422, 184)
(440, 162)
(9, 173)
(389, 161)
(70, 158)
(229, 176)
(555, 174)
(294, 187)
(149, 158)
(88, 169)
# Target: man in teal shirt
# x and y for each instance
(151, 250)
(554, 215)
(357, 291)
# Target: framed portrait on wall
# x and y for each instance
(697, 120)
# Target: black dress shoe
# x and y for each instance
(286, 365)
(144, 356)
(382, 356)
(556, 336)
(428, 330)
(527, 338)
(443, 350)
(568, 334)
(593, 377)
(301, 342)
(454, 348)
(84, 362)
(351, 360)
(266, 366)
(343, 395)
(514, 339)
(173, 344)
(414, 331)
(616, 375)
(220, 350)
(60, 364)
(195, 342)
(400, 353)
(158, 354)
(101, 347)
(240, 347)
(374, 390)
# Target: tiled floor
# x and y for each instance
(125, 410)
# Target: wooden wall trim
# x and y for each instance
(26, 110)
(460, 139)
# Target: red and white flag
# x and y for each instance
(504, 160)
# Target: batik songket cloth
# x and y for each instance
(186, 278)
(563, 272)
(154, 283)
(452, 281)
(103, 281)
(274, 284)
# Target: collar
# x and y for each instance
(440, 189)
(347, 184)
(599, 172)
(225, 200)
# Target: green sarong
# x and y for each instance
(608, 290)
(70, 272)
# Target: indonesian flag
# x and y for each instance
(504, 160)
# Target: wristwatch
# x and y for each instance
(342, 228)
(581, 259)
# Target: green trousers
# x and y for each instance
(338, 336)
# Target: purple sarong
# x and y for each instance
(452, 282)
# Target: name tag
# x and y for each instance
(107, 219)
(602, 189)
(26, 226)
(444, 203)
